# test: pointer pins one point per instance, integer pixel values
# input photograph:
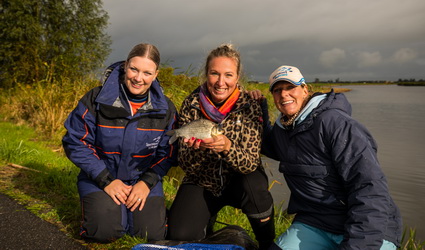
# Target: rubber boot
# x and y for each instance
(264, 230)
(210, 226)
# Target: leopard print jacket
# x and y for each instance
(242, 126)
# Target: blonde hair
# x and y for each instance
(224, 50)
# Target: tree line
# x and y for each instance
(48, 40)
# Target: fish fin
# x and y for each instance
(170, 132)
(172, 139)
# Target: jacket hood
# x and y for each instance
(335, 101)
(112, 93)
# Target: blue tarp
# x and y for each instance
(188, 246)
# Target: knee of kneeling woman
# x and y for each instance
(102, 218)
(152, 233)
(102, 234)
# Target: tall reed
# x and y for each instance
(44, 105)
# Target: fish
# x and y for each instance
(200, 129)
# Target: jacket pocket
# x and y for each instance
(311, 171)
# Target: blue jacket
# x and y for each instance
(106, 142)
(330, 164)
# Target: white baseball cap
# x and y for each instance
(286, 73)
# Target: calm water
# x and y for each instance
(395, 116)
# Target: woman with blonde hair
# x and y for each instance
(226, 169)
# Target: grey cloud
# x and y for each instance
(375, 36)
(404, 55)
(369, 59)
(332, 57)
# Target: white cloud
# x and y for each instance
(331, 57)
(367, 59)
(404, 55)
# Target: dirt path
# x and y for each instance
(21, 229)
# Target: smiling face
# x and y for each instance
(140, 72)
(288, 98)
(222, 78)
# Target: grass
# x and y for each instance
(35, 172)
(415, 84)
(45, 182)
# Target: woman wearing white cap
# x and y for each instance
(338, 190)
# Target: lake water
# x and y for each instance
(395, 115)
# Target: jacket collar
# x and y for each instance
(318, 104)
(313, 103)
(113, 94)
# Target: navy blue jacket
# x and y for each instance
(330, 164)
(107, 142)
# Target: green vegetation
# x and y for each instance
(411, 83)
(45, 182)
(47, 40)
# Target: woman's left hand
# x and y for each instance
(218, 144)
(137, 197)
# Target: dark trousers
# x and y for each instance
(193, 208)
(105, 221)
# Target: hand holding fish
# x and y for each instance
(203, 134)
(218, 144)
(197, 129)
(192, 142)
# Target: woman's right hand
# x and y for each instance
(218, 144)
(193, 143)
(118, 191)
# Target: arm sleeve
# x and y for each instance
(79, 147)
(166, 154)
(184, 152)
(266, 117)
(244, 154)
(354, 154)
(267, 145)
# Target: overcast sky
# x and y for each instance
(328, 39)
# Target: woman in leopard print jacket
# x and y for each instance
(226, 169)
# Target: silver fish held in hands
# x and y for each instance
(199, 129)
